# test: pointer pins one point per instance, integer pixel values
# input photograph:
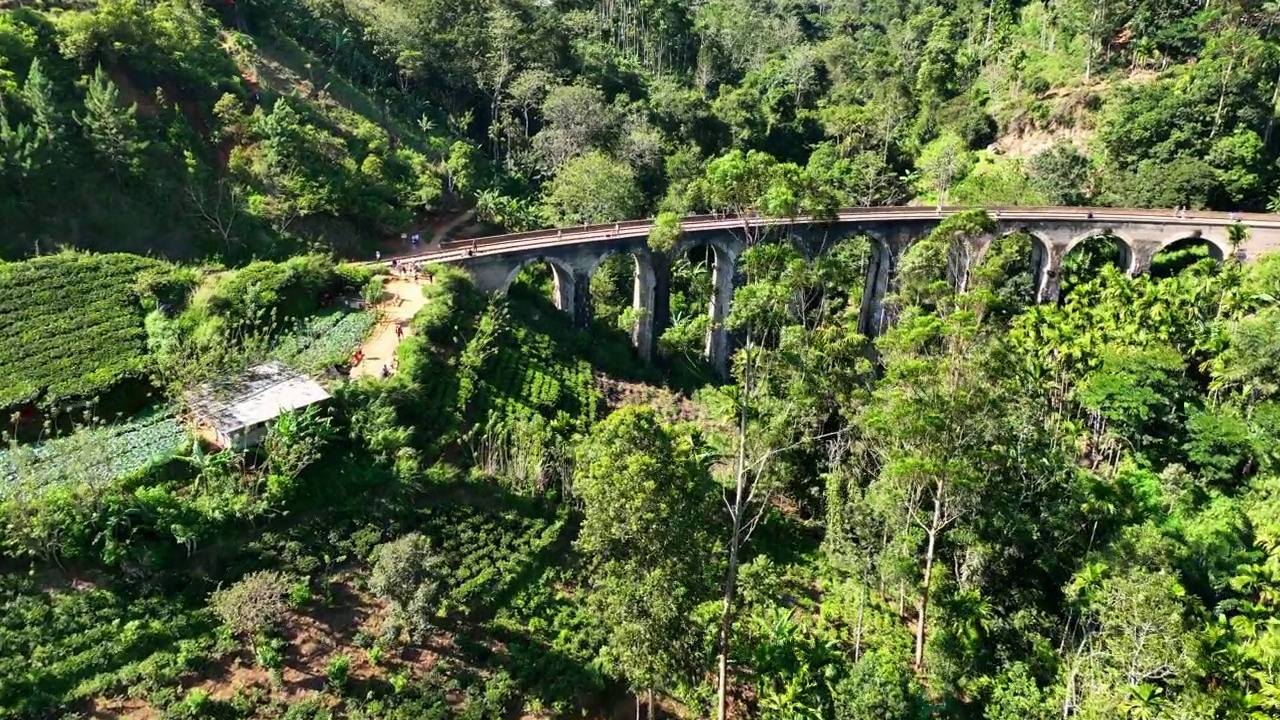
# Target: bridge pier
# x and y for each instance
(871, 310)
(564, 288)
(1140, 259)
(660, 318)
(723, 274)
(580, 308)
(642, 301)
(1049, 277)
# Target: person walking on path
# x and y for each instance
(399, 331)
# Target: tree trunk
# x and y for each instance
(922, 608)
(862, 606)
(986, 38)
(1093, 30)
(735, 541)
(726, 622)
(1222, 98)
(1271, 119)
(650, 704)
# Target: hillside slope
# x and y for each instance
(258, 128)
(157, 130)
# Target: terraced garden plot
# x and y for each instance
(62, 646)
(95, 455)
(530, 374)
(71, 327)
(322, 341)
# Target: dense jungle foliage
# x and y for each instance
(1015, 511)
(258, 128)
(993, 509)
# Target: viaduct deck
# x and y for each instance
(575, 253)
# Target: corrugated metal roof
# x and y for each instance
(258, 395)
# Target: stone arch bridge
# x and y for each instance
(574, 254)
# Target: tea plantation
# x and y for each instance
(71, 327)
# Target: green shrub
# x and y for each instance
(252, 606)
(338, 671)
(354, 277)
(372, 292)
(264, 292)
(194, 705)
(300, 593)
(269, 652)
(409, 574)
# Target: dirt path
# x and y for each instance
(401, 300)
(442, 233)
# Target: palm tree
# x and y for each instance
(1144, 702)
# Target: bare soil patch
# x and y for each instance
(671, 406)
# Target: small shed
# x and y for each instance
(235, 412)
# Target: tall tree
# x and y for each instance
(576, 119)
(592, 188)
(647, 511)
(40, 98)
(934, 419)
(943, 163)
(111, 127)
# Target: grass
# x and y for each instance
(283, 66)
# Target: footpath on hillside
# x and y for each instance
(401, 300)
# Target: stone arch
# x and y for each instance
(719, 247)
(724, 267)
(1041, 246)
(1215, 250)
(644, 282)
(1219, 249)
(1040, 260)
(564, 283)
(1067, 262)
(1126, 245)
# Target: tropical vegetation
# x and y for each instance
(971, 505)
